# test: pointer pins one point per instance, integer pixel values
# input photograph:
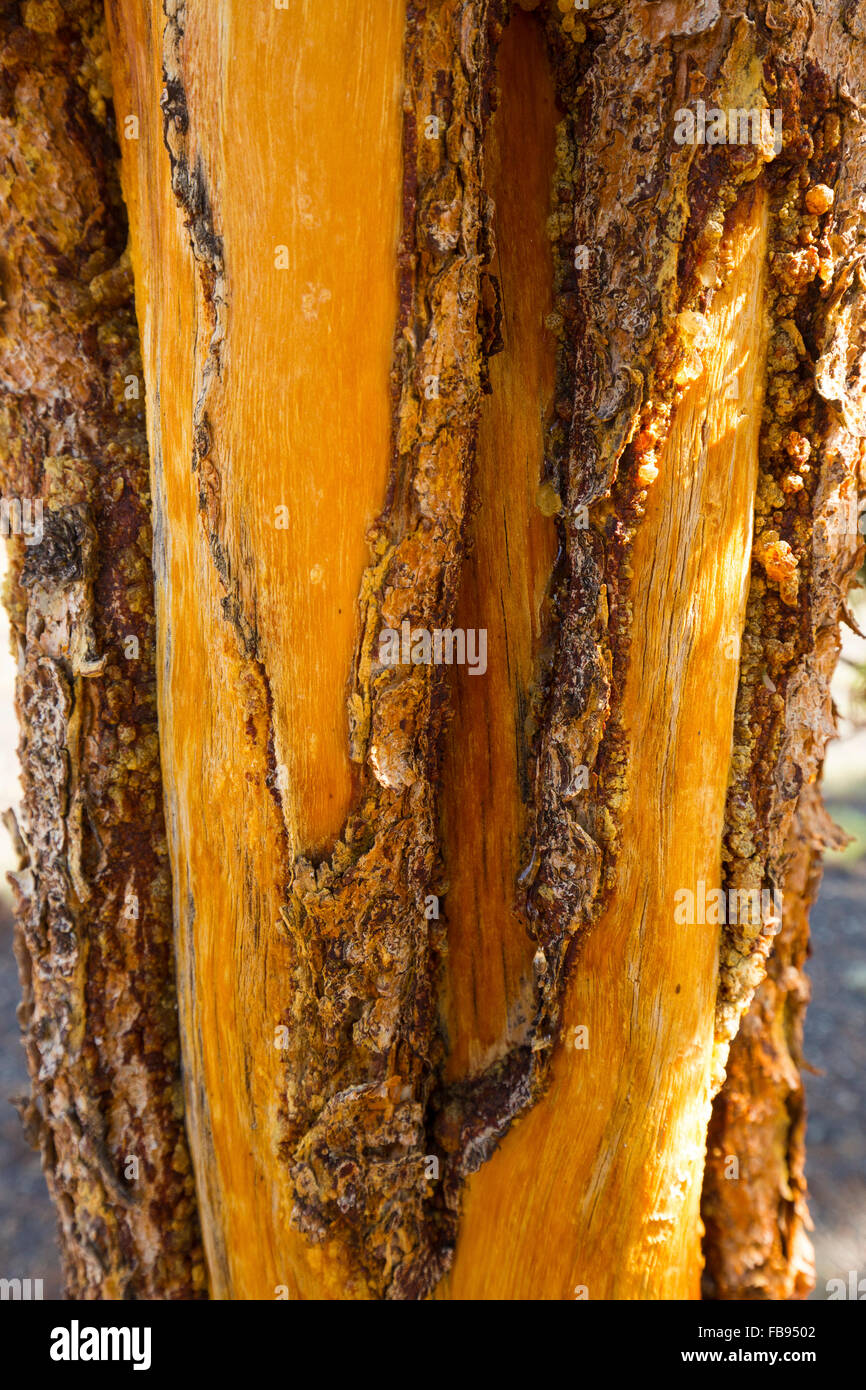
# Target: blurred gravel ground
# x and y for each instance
(27, 1243)
(835, 1045)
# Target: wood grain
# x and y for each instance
(303, 154)
(511, 553)
(608, 1165)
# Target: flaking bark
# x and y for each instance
(94, 916)
(754, 1200)
(806, 550)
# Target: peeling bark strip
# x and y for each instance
(806, 550)
(367, 1038)
(94, 933)
(649, 223)
(807, 546)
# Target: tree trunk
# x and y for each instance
(450, 322)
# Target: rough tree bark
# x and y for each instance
(443, 325)
(94, 928)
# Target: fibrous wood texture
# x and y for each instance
(445, 326)
(637, 978)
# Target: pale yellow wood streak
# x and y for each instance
(298, 113)
(299, 127)
(600, 1184)
(505, 578)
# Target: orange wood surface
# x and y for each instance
(598, 1188)
(300, 146)
(512, 548)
